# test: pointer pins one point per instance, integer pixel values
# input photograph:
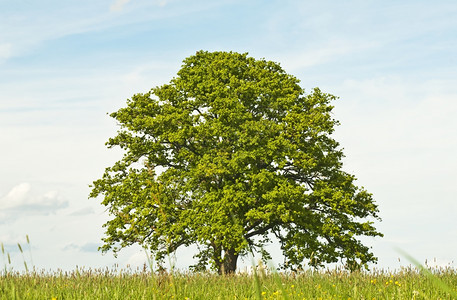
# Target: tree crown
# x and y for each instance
(229, 153)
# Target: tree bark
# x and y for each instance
(228, 265)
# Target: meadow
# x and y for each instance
(260, 282)
(408, 283)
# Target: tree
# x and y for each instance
(229, 154)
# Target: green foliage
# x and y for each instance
(229, 153)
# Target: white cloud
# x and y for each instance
(20, 201)
(16, 197)
(118, 5)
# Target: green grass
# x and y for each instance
(105, 284)
(408, 283)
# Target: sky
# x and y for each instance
(65, 64)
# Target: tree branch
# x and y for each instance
(259, 231)
(256, 223)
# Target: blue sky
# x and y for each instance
(65, 64)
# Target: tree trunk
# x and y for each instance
(228, 264)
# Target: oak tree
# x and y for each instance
(228, 155)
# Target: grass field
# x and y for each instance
(407, 283)
(106, 284)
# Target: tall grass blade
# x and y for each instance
(150, 260)
(30, 250)
(23, 258)
(4, 261)
(256, 281)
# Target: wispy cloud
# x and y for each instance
(118, 5)
(87, 247)
(66, 64)
(324, 53)
(6, 50)
(83, 211)
(162, 2)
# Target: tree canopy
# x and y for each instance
(228, 155)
